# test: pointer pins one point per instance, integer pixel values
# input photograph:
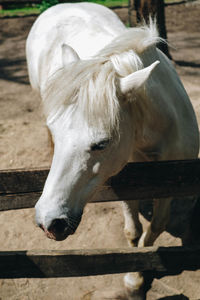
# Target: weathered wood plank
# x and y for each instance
(17, 2)
(18, 201)
(22, 181)
(70, 263)
(21, 188)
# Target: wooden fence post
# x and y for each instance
(155, 9)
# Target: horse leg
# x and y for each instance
(134, 282)
(161, 214)
(132, 227)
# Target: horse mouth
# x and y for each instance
(57, 236)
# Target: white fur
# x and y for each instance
(98, 83)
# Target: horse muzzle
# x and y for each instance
(60, 229)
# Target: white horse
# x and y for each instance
(110, 97)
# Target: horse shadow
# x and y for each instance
(184, 220)
(150, 276)
(175, 297)
(184, 223)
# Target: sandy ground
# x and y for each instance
(24, 144)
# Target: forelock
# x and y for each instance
(90, 86)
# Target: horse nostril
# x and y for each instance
(59, 229)
(58, 226)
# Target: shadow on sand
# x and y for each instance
(14, 70)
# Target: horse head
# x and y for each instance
(88, 107)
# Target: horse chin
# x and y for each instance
(56, 237)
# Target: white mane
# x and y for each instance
(91, 84)
(137, 39)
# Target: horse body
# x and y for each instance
(87, 28)
(169, 128)
(109, 97)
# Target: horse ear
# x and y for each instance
(136, 80)
(69, 55)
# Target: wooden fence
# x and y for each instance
(21, 189)
(6, 3)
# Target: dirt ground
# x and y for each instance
(24, 144)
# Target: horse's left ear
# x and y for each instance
(69, 55)
(136, 80)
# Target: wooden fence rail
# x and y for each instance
(17, 2)
(6, 4)
(70, 263)
(22, 188)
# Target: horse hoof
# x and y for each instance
(134, 286)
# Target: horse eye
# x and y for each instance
(99, 146)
